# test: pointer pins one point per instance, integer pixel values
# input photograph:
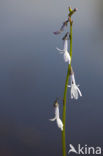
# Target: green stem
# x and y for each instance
(65, 95)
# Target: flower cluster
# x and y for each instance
(75, 91)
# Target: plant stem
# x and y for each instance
(65, 95)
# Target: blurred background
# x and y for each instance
(32, 75)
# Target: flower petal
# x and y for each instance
(65, 45)
(59, 49)
(67, 57)
(69, 86)
(60, 124)
(74, 91)
(79, 91)
(53, 119)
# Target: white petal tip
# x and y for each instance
(59, 49)
(52, 119)
(68, 86)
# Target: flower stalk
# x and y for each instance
(66, 86)
(74, 88)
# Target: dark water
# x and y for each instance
(32, 75)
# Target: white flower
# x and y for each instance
(57, 118)
(75, 91)
(67, 57)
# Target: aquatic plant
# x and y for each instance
(75, 91)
